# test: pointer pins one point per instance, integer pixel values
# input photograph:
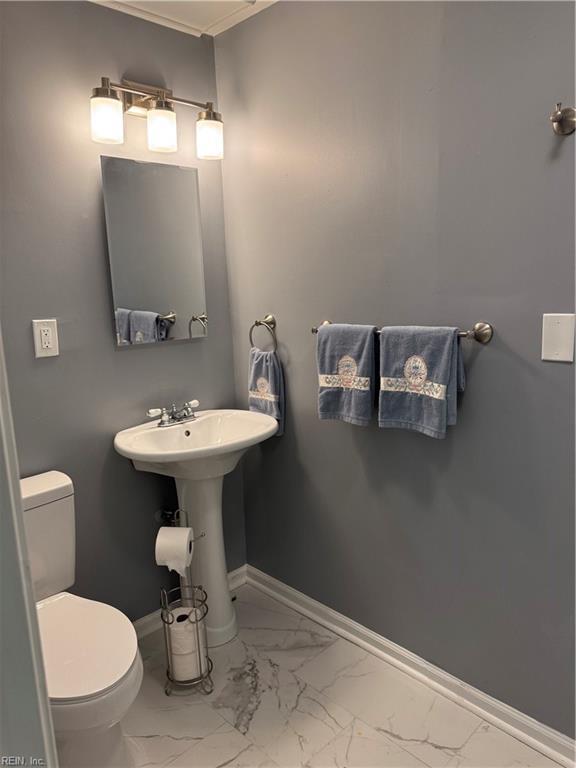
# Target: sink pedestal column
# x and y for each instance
(201, 500)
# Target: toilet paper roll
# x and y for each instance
(183, 634)
(185, 667)
(185, 662)
(174, 548)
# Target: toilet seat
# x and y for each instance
(88, 647)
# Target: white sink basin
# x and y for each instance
(209, 446)
(197, 454)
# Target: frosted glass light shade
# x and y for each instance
(106, 120)
(209, 139)
(162, 132)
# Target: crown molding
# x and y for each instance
(241, 14)
(220, 25)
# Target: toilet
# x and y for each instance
(91, 659)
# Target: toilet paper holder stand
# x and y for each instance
(172, 517)
(194, 601)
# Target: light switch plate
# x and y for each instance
(558, 337)
(45, 337)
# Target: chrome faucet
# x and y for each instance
(177, 414)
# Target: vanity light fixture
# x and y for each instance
(210, 135)
(161, 123)
(110, 101)
(107, 114)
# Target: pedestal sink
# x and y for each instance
(197, 454)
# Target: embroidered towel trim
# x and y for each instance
(262, 393)
(346, 377)
(414, 380)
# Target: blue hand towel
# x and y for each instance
(122, 325)
(345, 355)
(266, 386)
(143, 326)
(421, 370)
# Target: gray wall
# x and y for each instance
(54, 264)
(393, 163)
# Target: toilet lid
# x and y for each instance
(87, 646)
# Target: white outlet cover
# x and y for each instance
(558, 337)
(45, 337)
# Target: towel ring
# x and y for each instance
(269, 322)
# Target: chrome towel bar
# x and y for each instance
(481, 332)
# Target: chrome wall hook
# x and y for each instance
(563, 120)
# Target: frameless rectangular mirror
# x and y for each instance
(155, 249)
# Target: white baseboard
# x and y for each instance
(541, 737)
(238, 577)
(152, 621)
(147, 624)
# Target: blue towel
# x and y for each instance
(421, 370)
(122, 325)
(345, 355)
(143, 326)
(266, 386)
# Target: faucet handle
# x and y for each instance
(193, 403)
(153, 413)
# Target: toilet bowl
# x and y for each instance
(91, 659)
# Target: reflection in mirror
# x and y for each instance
(155, 250)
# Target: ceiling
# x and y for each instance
(194, 17)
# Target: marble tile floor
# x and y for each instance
(290, 693)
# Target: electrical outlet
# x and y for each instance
(45, 337)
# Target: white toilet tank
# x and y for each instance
(48, 501)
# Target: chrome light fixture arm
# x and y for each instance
(153, 92)
(111, 100)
